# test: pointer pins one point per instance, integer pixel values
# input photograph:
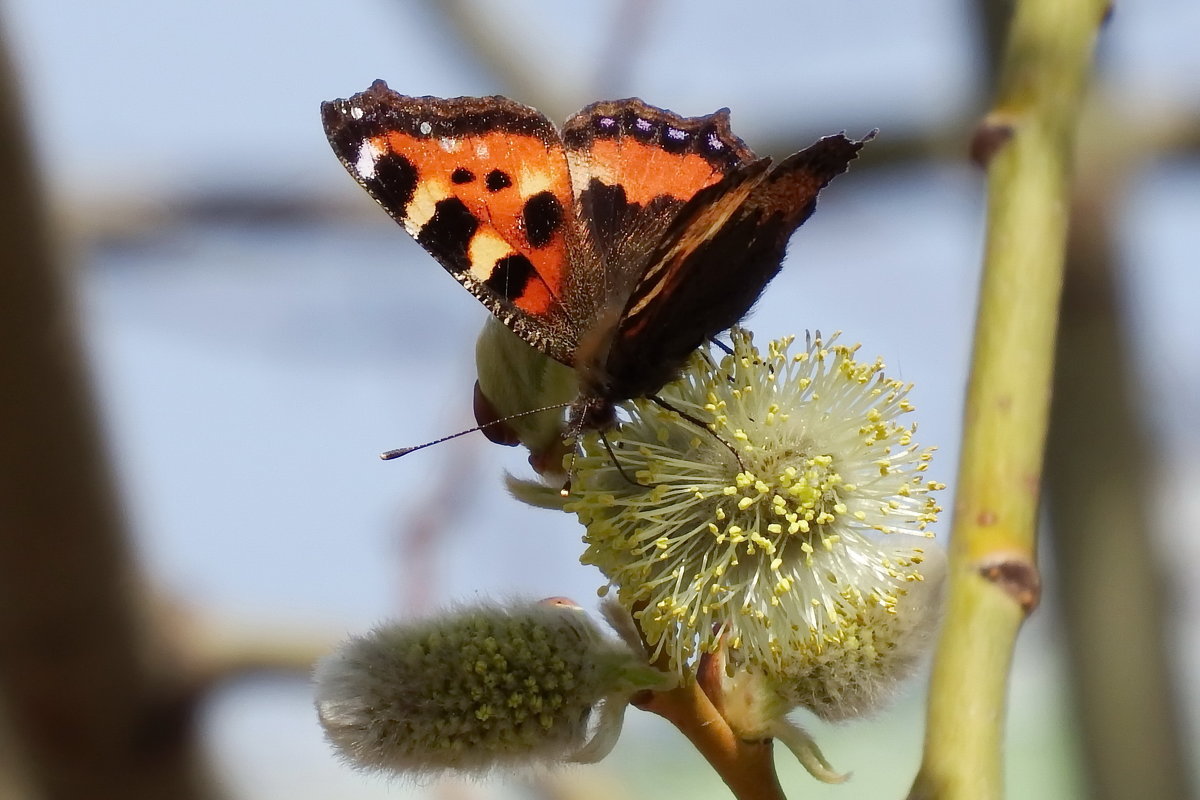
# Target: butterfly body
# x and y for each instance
(616, 246)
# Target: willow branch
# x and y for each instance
(748, 768)
(1026, 141)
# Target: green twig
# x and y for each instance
(1026, 142)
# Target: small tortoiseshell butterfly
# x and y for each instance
(616, 246)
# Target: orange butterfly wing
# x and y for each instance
(482, 184)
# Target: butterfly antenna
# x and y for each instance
(699, 423)
(403, 451)
(565, 491)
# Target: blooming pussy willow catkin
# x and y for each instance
(486, 686)
(767, 531)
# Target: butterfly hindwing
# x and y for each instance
(633, 168)
(482, 184)
(713, 263)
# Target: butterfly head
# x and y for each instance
(589, 413)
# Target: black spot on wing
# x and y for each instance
(447, 234)
(497, 180)
(607, 207)
(462, 175)
(510, 275)
(543, 216)
(394, 182)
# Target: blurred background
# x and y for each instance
(254, 330)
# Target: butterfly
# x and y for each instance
(616, 245)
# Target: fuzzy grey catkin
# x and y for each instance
(482, 687)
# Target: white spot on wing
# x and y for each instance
(715, 143)
(530, 182)
(424, 203)
(579, 164)
(368, 156)
(481, 150)
(675, 133)
(356, 112)
(450, 145)
(426, 128)
(643, 124)
(485, 250)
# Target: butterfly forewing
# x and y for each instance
(482, 184)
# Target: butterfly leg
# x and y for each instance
(728, 350)
(699, 423)
(617, 463)
(566, 488)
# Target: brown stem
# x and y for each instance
(748, 768)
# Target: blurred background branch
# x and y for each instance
(134, 220)
(87, 694)
(1106, 538)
